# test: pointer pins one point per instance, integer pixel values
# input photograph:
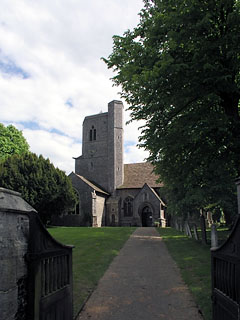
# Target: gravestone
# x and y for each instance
(181, 228)
(176, 225)
(214, 237)
(203, 228)
(195, 233)
(188, 230)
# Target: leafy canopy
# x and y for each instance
(45, 187)
(179, 70)
(12, 141)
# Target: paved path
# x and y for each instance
(142, 283)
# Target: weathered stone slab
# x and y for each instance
(10, 199)
(14, 232)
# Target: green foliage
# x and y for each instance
(12, 142)
(94, 249)
(179, 69)
(45, 187)
(199, 171)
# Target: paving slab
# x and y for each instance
(142, 283)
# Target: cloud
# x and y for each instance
(8, 68)
(51, 74)
(132, 154)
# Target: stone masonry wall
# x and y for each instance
(115, 145)
(85, 203)
(93, 164)
(14, 230)
(102, 152)
(142, 198)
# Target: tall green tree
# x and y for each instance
(45, 187)
(179, 70)
(12, 141)
(199, 171)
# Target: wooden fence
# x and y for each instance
(226, 277)
(49, 275)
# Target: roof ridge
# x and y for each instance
(91, 184)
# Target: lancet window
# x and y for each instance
(128, 207)
(93, 134)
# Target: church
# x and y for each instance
(110, 192)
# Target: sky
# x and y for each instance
(52, 75)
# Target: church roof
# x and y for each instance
(154, 192)
(92, 185)
(137, 174)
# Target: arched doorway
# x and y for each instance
(146, 217)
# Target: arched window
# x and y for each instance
(128, 207)
(77, 208)
(145, 196)
(93, 134)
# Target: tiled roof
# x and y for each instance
(137, 174)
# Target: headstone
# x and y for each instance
(176, 225)
(180, 225)
(195, 233)
(188, 230)
(214, 237)
(203, 228)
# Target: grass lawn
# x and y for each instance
(94, 250)
(194, 262)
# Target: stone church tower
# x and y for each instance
(102, 148)
(112, 193)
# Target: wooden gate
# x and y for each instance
(226, 277)
(50, 275)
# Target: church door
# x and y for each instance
(147, 217)
(113, 220)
